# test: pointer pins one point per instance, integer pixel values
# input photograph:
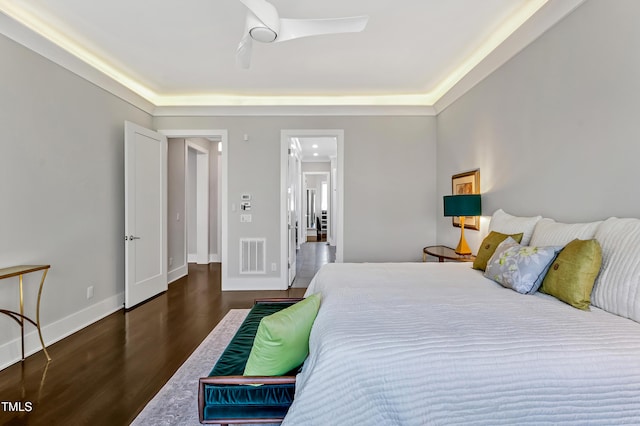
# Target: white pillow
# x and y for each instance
(548, 232)
(507, 224)
(617, 288)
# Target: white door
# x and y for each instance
(145, 206)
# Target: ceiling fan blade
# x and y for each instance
(297, 28)
(264, 11)
(243, 54)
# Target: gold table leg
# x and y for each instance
(44, 275)
(22, 316)
(37, 323)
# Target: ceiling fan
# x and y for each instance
(265, 25)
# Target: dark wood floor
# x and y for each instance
(106, 373)
(309, 258)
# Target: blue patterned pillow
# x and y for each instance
(520, 268)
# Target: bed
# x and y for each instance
(439, 343)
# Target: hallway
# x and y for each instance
(310, 258)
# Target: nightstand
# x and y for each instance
(444, 252)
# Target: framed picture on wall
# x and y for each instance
(466, 183)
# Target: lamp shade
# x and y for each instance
(462, 205)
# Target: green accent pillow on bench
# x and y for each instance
(231, 401)
(282, 339)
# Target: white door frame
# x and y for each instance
(333, 203)
(293, 217)
(285, 136)
(202, 200)
(222, 134)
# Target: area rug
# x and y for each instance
(177, 401)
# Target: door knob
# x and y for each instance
(131, 237)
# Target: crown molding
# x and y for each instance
(552, 12)
(42, 46)
(303, 110)
(546, 16)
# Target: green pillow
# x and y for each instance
(489, 245)
(572, 274)
(282, 340)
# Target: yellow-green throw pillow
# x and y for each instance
(489, 245)
(282, 340)
(572, 274)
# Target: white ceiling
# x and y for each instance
(181, 52)
(317, 149)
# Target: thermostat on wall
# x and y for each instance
(245, 197)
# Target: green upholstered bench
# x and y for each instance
(226, 396)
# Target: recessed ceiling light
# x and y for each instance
(315, 145)
(315, 154)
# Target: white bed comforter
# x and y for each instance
(429, 343)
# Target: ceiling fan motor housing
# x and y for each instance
(263, 34)
(263, 24)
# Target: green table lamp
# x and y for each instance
(462, 206)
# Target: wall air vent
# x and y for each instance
(252, 256)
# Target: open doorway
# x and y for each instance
(197, 200)
(317, 201)
(319, 211)
(195, 178)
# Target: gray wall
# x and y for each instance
(316, 166)
(390, 202)
(555, 130)
(62, 191)
(389, 169)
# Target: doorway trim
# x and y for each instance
(285, 136)
(221, 224)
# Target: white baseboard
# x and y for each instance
(193, 258)
(10, 352)
(177, 273)
(271, 283)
